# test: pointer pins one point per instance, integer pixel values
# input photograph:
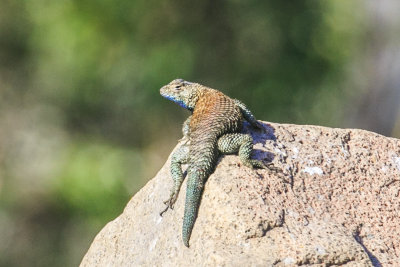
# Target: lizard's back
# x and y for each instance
(215, 114)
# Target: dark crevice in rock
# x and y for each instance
(372, 257)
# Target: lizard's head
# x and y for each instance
(181, 92)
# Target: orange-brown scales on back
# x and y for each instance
(213, 128)
(214, 109)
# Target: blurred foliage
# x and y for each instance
(82, 125)
(111, 57)
(91, 181)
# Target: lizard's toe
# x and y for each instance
(170, 203)
(259, 127)
(258, 164)
(272, 167)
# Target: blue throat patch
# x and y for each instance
(179, 102)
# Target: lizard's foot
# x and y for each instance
(253, 163)
(258, 126)
(272, 167)
(170, 203)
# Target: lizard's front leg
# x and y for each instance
(186, 129)
(248, 115)
(180, 156)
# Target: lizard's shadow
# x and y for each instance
(260, 137)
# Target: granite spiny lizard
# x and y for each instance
(213, 128)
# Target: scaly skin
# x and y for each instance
(213, 128)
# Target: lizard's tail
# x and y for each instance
(197, 177)
(204, 155)
(193, 197)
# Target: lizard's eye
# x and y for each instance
(178, 87)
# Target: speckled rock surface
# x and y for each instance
(336, 203)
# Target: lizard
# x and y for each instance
(213, 128)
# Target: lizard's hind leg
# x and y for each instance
(180, 156)
(242, 143)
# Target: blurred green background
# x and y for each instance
(82, 124)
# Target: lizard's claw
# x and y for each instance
(258, 126)
(272, 167)
(170, 203)
(261, 165)
(253, 163)
(164, 210)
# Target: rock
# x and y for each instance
(337, 203)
